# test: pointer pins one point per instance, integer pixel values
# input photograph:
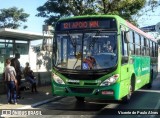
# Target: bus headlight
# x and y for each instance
(57, 79)
(110, 80)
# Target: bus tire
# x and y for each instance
(127, 98)
(149, 85)
(79, 99)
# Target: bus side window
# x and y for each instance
(137, 44)
(156, 48)
(143, 49)
(153, 49)
(150, 48)
(147, 46)
(131, 44)
(124, 49)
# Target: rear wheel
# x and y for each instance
(80, 99)
(149, 85)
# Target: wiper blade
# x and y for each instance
(73, 41)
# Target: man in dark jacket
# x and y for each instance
(16, 64)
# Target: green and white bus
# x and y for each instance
(101, 56)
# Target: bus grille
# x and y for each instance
(82, 90)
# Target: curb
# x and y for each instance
(40, 103)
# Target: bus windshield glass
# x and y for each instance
(86, 51)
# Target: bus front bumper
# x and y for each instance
(105, 92)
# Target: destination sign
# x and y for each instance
(79, 24)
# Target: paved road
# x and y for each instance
(67, 107)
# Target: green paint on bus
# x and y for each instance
(101, 56)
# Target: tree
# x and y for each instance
(12, 18)
(127, 9)
(55, 9)
(146, 13)
(124, 8)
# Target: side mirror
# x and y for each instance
(126, 36)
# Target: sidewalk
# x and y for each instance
(30, 99)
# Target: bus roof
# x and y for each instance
(140, 31)
(88, 16)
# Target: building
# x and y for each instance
(16, 41)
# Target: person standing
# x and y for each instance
(16, 64)
(10, 79)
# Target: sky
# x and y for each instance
(34, 23)
(150, 18)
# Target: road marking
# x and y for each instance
(153, 91)
(158, 103)
(40, 103)
(31, 106)
(155, 108)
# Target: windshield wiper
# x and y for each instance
(73, 41)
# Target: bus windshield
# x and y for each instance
(86, 51)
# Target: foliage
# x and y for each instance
(147, 12)
(124, 8)
(55, 9)
(153, 4)
(12, 18)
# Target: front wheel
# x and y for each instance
(80, 99)
(127, 98)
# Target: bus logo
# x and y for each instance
(73, 81)
(146, 68)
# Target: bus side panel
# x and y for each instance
(124, 88)
(142, 70)
(125, 79)
(145, 71)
